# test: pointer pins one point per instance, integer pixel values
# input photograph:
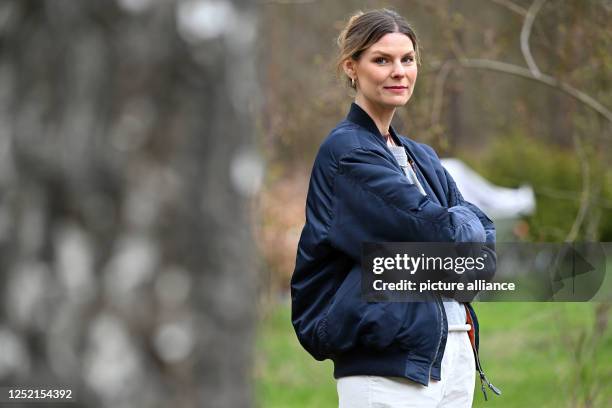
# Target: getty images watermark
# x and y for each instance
(416, 271)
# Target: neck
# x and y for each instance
(380, 115)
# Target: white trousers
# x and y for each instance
(456, 389)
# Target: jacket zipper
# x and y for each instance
(483, 378)
(438, 301)
(412, 164)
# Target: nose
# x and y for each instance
(398, 70)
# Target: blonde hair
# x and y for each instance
(364, 29)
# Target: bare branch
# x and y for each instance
(526, 33)
(572, 235)
(586, 190)
(516, 70)
(511, 6)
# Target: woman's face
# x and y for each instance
(385, 73)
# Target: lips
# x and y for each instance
(396, 89)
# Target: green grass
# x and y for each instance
(529, 350)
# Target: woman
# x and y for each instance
(369, 184)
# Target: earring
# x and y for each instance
(353, 82)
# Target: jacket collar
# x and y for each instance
(360, 117)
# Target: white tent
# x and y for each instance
(497, 202)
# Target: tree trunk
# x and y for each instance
(126, 165)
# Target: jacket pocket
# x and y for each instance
(420, 326)
(351, 322)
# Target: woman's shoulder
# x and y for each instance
(344, 138)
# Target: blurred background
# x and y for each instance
(154, 162)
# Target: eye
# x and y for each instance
(408, 59)
(380, 60)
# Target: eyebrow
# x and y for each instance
(384, 54)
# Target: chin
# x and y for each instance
(398, 102)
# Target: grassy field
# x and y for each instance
(539, 354)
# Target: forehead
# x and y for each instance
(392, 43)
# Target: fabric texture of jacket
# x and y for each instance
(359, 193)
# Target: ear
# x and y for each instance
(350, 66)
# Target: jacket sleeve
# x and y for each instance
(375, 202)
(455, 198)
(488, 247)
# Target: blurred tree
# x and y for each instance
(127, 164)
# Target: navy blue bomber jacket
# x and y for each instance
(358, 193)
